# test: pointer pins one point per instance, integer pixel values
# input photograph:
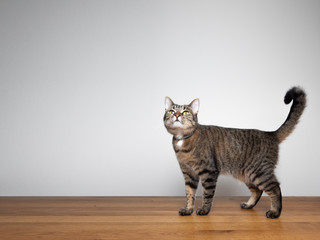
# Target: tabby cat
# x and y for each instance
(204, 152)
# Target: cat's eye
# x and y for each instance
(185, 113)
(171, 112)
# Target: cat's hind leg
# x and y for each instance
(274, 192)
(255, 197)
(270, 185)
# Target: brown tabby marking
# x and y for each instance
(205, 152)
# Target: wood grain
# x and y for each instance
(133, 218)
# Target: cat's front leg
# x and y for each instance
(190, 194)
(208, 179)
(191, 184)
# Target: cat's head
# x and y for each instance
(181, 120)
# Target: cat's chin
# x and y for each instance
(177, 124)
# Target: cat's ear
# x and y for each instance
(168, 103)
(195, 104)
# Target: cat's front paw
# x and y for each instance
(185, 212)
(203, 211)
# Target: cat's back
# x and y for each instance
(231, 147)
(234, 137)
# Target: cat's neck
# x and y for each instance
(183, 137)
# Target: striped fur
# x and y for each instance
(205, 152)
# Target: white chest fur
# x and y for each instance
(179, 143)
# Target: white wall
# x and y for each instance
(82, 87)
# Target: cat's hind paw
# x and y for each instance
(244, 205)
(272, 214)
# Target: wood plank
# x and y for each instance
(153, 218)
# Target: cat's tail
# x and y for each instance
(299, 103)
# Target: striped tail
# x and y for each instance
(299, 103)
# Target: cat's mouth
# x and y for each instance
(177, 123)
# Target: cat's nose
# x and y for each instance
(177, 114)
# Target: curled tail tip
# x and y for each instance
(298, 96)
(293, 94)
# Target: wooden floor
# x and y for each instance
(147, 218)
